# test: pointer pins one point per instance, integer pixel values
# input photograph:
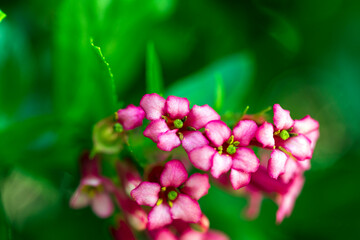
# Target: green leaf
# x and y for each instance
(201, 88)
(2, 15)
(154, 81)
(219, 92)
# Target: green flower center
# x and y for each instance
(231, 149)
(172, 195)
(284, 134)
(178, 123)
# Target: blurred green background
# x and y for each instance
(304, 55)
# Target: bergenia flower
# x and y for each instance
(130, 117)
(173, 197)
(288, 138)
(181, 230)
(226, 151)
(285, 194)
(172, 120)
(94, 190)
(122, 231)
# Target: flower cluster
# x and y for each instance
(256, 156)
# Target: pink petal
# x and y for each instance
(131, 117)
(199, 116)
(218, 132)
(282, 119)
(305, 125)
(239, 179)
(186, 209)
(169, 140)
(265, 135)
(177, 107)
(102, 205)
(245, 160)
(174, 174)
(313, 137)
(122, 232)
(191, 234)
(221, 164)
(276, 165)
(244, 131)
(153, 105)
(287, 201)
(147, 193)
(165, 234)
(299, 147)
(79, 199)
(215, 235)
(159, 216)
(255, 198)
(155, 128)
(196, 186)
(305, 165)
(291, 170)
(202, 157)
(193, 139)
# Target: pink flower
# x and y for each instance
(173, 197)
(226, 151)
(131, 117)
(93, 190)
(171, 119)
(284, 193)
(181, 230)
(122, 231)
(289, 138)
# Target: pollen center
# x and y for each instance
(172, 195)
(231, 149)
(178, 123)
(284, 134)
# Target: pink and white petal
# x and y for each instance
(193, 139)
(153, 105)
(186, 209)
(159, 216)
(164, 234)
(174, 174)
(299, 147)
(265, 135)
(313, 137)
(239, 179)
(245, 160)
(244, 131)
(215, 235)
(221, 164)
(305, 165)
(291, 170)
(199, 116)
(177, 107)
(79, 199)
(286, 202)
(253, 208)
(196, 186)
(305, 125)
(191, 234)
(147, 193)
(131, 117)
(102, 205)
(282, 119)
(277, 163)
(202, 157)
(218, 132)
(155, 128)
(168, 140)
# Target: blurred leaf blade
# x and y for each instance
(220, 92)
(154, 80)
(237, 71)
(2, 15)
